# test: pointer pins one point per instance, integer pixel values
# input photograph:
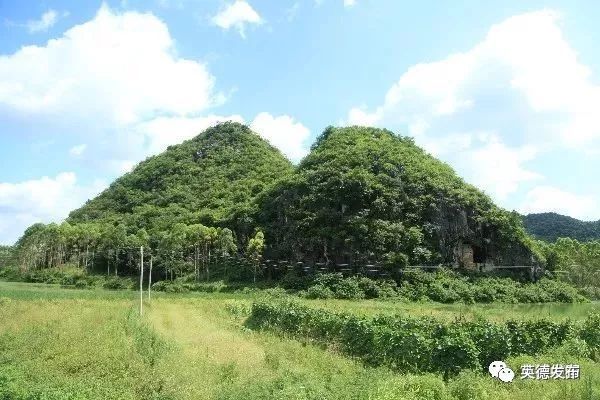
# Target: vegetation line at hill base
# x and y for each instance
(443, 286)
(423, 344)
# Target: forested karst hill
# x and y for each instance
(362, 195)
(368, 194)
(551, 226)
(212, 178)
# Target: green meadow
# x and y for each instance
(58, 343)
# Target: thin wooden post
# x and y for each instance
(150, 277)
(141, 279)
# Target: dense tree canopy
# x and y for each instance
(6, 253)
(211, 179)
(361, 195)
(551, 226)
(366, 193)
(574, 261)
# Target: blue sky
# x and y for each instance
(505, 92)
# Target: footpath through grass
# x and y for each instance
(79, 344)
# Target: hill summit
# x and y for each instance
(212, 178)
(366, 194)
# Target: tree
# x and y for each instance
(254, 251)
(195, 236)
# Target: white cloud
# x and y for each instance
(358, 116)
(491, 165)
(523, 82)
(110, 74)
(237, 15)
(116, 68)
(548, 198)
(162, 132)
(284, 133)
(525, 57)
(40, 200)
(47, 20)
(78, 150)
(347, 3)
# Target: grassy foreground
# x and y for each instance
(79, 344)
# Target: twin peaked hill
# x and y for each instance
(362, 194)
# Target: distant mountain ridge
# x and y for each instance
(551, 226)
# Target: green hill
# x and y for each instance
(551, 226)
(366, 194)
(362, 195)
(212, 178)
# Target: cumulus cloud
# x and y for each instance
(111, 75)
(497, 168)
(237, 15)
(284, 133)
(119, 76)
(522, 58)
(349, 3)
(47, 20)
(549, 198)
(523, 83)
(116, 67)
(40, 200)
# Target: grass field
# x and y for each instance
(60, 343)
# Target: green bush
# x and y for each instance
(421, 344)
(116, 283)
(319, 291)
(170, 287)
(443, 286)
(293, 281)
(348, 289)
(590, 333)
(10, 273)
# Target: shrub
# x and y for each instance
(160, 286)
(386, 289)
(368, 287)
(454, 350)
(276, 292)
(328, 280)
(170, 287)
(419, 344)
(10, 273)
(349, 289)
(590, 333)
(444, 286)
(291, 280)
(116, 283)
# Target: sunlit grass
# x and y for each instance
(79, 344)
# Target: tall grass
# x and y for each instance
(69, 344)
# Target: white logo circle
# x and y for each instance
(506, 375)
(495, 367)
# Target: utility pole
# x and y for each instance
(141, 279)
(150, 277)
